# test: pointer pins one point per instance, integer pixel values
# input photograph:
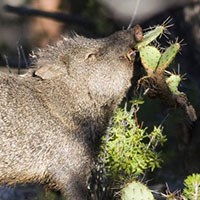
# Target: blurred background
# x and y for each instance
(22, 25)
(26, 25)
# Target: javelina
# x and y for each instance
(51, 120)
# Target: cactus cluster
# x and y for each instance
(158, 82)
(153, 60)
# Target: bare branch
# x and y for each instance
(57, 16)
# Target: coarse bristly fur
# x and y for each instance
(51, 121)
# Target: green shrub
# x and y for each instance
(192, 187)
(128, 150)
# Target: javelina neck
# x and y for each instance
(75, 107)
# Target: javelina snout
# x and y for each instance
(51, 120)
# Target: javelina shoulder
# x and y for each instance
(51, 120)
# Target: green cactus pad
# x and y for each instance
(150, 57)
(136, 190)
(168, 56)
(173, 82)
(150, 36)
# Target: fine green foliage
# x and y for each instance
(192, 187)
(127, 149)
(136, 190)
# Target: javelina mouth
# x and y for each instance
(131, 55)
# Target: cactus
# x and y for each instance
(156, 83)
(153, 60)
(150, 36)
(150, 57)
(153, 34)
(136, 190)
(173, 82)
(168, 56)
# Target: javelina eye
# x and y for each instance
(91, 57)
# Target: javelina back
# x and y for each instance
(51, 120)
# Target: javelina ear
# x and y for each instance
(48, 71)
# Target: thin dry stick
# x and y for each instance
(58, 16)
(134, 14)
(7, 65)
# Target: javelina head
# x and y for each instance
(103, 66)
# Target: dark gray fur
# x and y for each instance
(51, 120)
